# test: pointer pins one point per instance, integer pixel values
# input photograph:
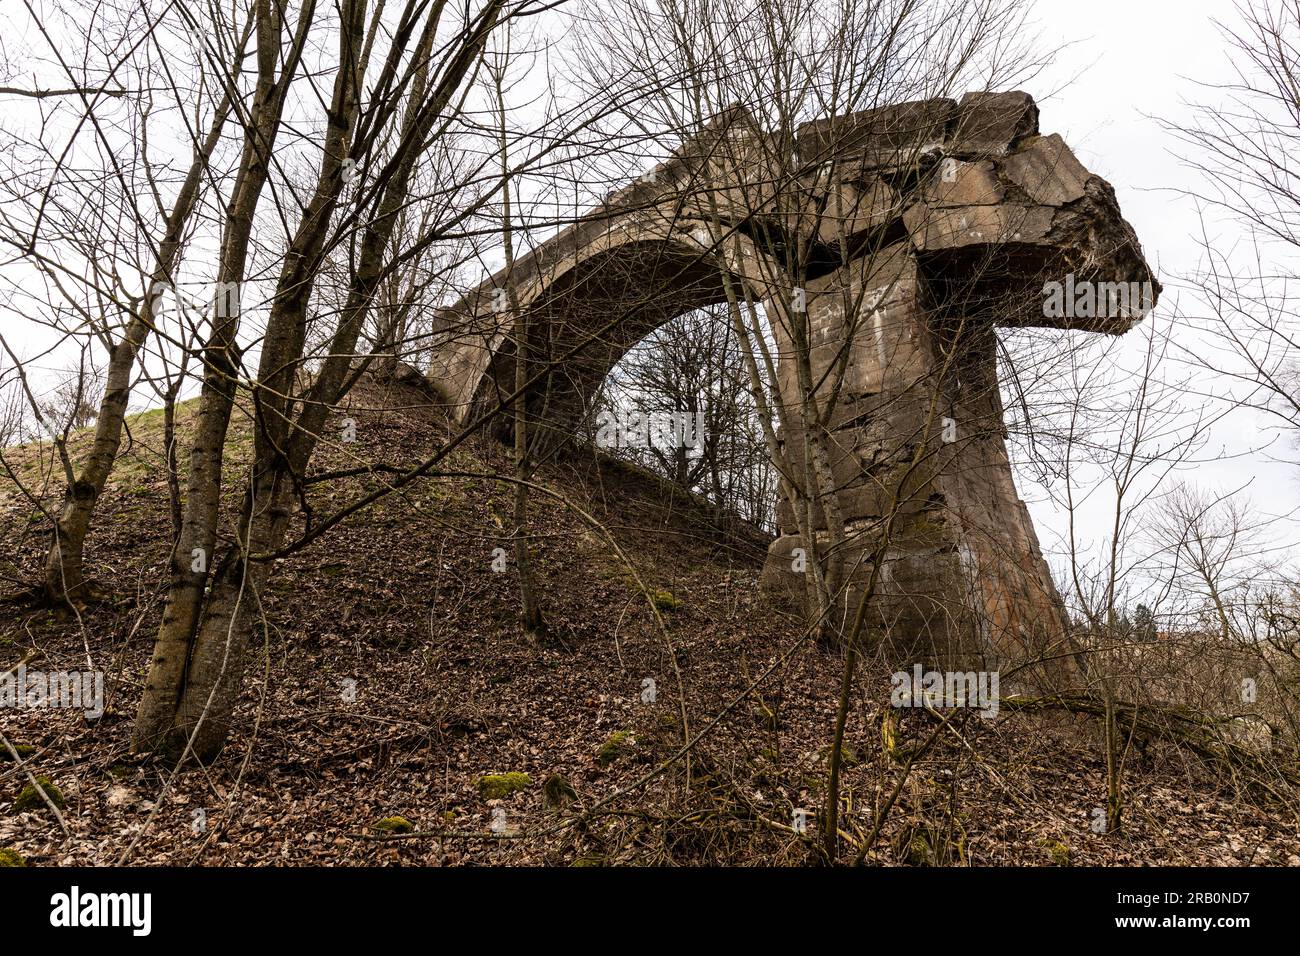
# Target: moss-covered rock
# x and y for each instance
(664, 600)
(495, 786)
(394, 825)
(10, 857)
(1057, 851)
(24, 751)
(30, 797)
(617, 745)
(918, 851)
(557, 792)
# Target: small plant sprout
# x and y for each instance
(498, 560)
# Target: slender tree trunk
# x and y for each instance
(169, 460)
(194, 552)
(64, 575)
(212, 682)
(530, 610)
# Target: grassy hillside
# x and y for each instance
(394, 690)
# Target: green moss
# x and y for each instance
(394, 825)
(1058, 851)
(664, 600)
(10, 857)
(495, 786)
(919, 852)
(30, 798)
(589, 860)
(617, 745)
(24, 751)
(558, 792)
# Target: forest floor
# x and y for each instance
(392, 678)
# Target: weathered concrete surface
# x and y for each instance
(937, 221)
(602, 283)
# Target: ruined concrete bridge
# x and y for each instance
(915, 230)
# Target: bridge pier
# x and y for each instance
(931, 224)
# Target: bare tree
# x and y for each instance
(423, 79)
(687, 383)
(143, 219)
(1241, 143)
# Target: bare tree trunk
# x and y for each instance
(64, 578)
(530, 610)
(194, 551)
(213, 678)
(174, 502)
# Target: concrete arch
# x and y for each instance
(590, 293)
(933, 223)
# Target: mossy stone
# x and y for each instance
(1058, 851)
(557, 792)
(24, 751)
(30, 798)
(664, 600)
(495, 786)
(395, 825)
(617, 745)
(10, 857)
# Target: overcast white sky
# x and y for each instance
(1129, 61)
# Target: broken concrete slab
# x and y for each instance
(1047, 170)
(957, 183)
(938, 229)
(987, 124)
